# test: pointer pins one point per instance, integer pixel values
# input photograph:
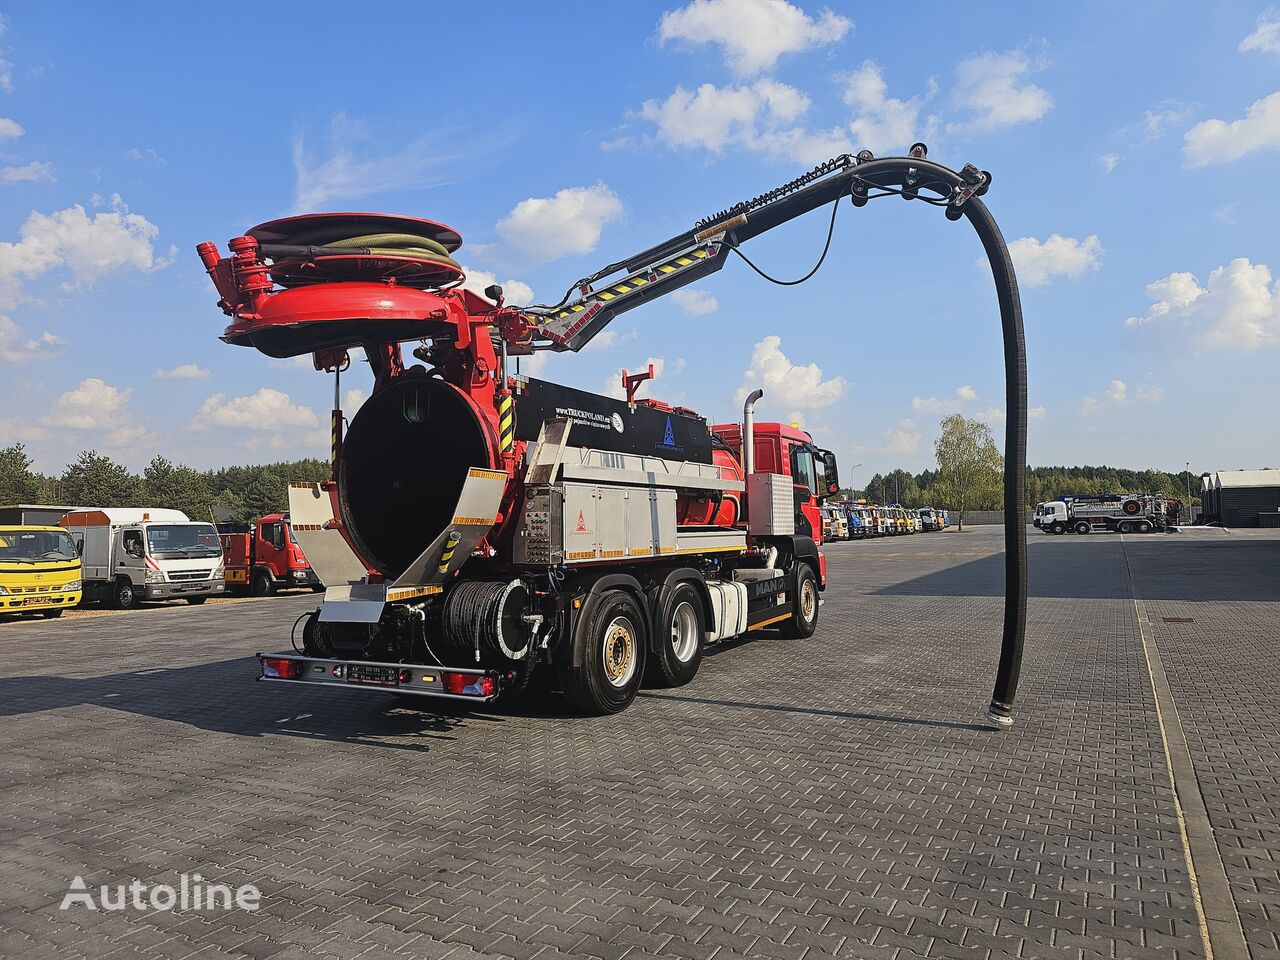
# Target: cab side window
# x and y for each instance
(802, 471)
(133, 543)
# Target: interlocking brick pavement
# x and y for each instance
(837, 797)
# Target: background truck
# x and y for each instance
(264, 556)
(39, 570)
(156, 554)
(1122, 513)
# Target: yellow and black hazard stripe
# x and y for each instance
(506, 421)
(450, 545)
(335, 436)
(635, 282)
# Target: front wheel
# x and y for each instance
(804, 618)
(1083, 527)
(123, 595)
(679, 635)
(51, 614)
(196, 601)
(263, 585)
(607, 659)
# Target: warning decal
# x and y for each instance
(582, 523)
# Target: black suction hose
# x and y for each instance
(1015, 462)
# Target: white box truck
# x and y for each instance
(132, 554)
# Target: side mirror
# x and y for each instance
(80, 548)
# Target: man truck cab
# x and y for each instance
(156, 554)
(39, 571)
(264, 556)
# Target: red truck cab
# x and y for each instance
(788, 450)
(264, 557)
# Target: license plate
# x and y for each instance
(375, 675)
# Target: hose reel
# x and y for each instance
(483, 620)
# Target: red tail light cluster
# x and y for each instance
(282, 668)
(467, 684)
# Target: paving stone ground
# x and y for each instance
(836, 797)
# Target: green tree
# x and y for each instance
(177, 487)
(18, 482)
(969, 465)
(94, 480)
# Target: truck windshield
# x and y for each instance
(183, 540)
(34, 546)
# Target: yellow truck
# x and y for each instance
(39, 571)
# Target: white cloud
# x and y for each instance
(266, 410)
(1109, 161)
(1039, 262)
(146, 155)
(788, 385)
(183, 371)
(349, 171)
(713, 118)
(110, 241)
(352, 400)
(902, 438)
(883, 123)
(1238, 308)
(1118, 394)
(1266, 38)
(1216, 141)
(33, 172)
(19, 431)
(997, 414)
(10, 129)
(951, 404)
(15, 347)
(93, 405)
(995, 88)
(1168, 113)
(752, 34)
(696, 303)
(541, 229)
(613, 383)
(513, 291)
(1227, 213)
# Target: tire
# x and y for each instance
(607, 656)
(678, 637)
(1131, 507)
(123, 594)
(1083, 527)
(1125, 527)
(1144, 526)
(51, 614)
(196, 601)
(1059, 528)
(263, 585)
(804, 619)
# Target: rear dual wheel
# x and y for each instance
(607, 655)
(1083, 527)
(681, 633)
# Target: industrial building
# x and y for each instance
(1242, 498)
(34, 514)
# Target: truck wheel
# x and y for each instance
(1125, 526)
(1083, 527)
(196, 601)
(1059, 528)
(51, 614)
(607, 659)
(263, 585)
(679, 635)
(804, 620)
(1144, 527)
(123, 596)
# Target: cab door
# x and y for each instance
(804, 480)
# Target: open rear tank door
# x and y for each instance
(331, 557)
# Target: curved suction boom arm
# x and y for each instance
(590, 306)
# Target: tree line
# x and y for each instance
(94, 480)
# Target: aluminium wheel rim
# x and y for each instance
(808, 601)
(684, 632)
(619, 652)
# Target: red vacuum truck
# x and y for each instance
(481, 526)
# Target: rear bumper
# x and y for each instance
(197, 588)
(414, 679)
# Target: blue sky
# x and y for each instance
(1132, 146)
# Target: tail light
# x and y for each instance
(279, 667)
(467, 684)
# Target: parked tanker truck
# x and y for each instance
(1122, 513)
(481, 526)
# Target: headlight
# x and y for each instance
(4, 592)
(71, 587)
(219, 572)
(154, 576)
